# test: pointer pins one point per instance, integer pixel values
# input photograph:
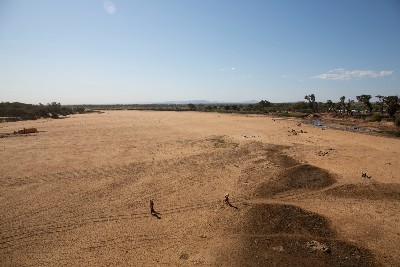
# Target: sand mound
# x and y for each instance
(286, 219)
(280, 160)
(371, 191)
(284, 250)
(299, 177)
(285, 235)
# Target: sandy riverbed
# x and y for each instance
(77, 193)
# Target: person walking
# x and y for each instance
(226, 199)
(152, 206)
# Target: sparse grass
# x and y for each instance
(223, 142)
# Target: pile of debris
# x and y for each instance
(294, 132)
(26, 131)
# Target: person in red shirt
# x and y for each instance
(226, 199)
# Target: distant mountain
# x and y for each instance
(188, 101)
(250, 102)
(204, 102)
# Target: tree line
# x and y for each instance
(384, 107)
(24, 111)
(388, 105)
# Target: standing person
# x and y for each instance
(152, 206)
(226, 199)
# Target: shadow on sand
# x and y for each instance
(156, 214)
(232, 206)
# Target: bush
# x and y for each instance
(293, 114)
(377, 117)
(55, 116)
(397, 121)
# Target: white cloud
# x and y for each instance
(109, 7)
(228, 69)
(342, 74)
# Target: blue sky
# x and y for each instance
(121, 51)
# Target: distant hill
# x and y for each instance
(205, 102)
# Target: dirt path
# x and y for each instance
(77, 193)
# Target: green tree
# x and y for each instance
(79, 110)
(365, 99)
(300, 106)
(348, 107)
(342, 104)
(264, 103)
(55, 109)
(392, 103)
(330, 106)
(312, 103)
(235, 107)
(381, 102)
(191, 106)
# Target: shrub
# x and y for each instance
(377, 117)
(55, 116)
(397, 121)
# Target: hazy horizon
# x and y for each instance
(103, 52)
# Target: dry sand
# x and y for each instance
(77, 193)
